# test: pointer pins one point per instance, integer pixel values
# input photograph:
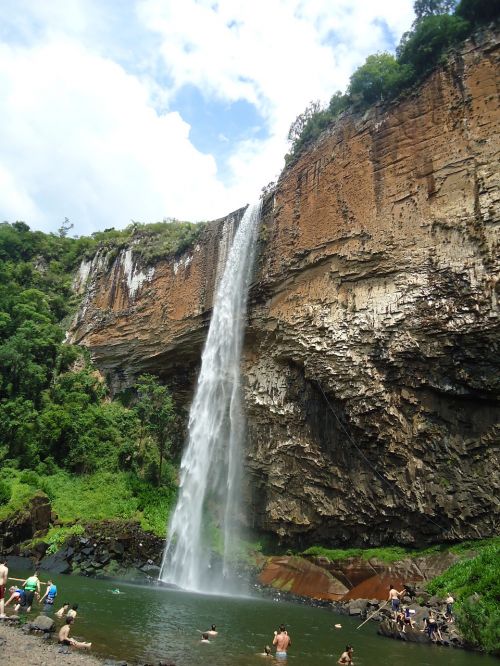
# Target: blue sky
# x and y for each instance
(112, 110)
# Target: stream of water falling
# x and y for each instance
(208, 505)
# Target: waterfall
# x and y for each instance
(208, 506)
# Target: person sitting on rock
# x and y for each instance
(64, 637)
(400, 620)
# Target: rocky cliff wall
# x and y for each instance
(371, 359)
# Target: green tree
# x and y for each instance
(423, 8)
(380, 78)
(422, 49)
(156, 412)
(478, 12)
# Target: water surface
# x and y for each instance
(149, 622)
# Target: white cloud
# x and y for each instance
(83, 94)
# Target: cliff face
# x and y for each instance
(371, 357)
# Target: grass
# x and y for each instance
(99, 496)
(391, 554)
(475, 584)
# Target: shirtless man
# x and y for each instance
(213, 631)
(282, 641)
(346, 657)
(64, 638)
(394, 599)
(4, 574)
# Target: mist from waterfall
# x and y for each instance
(208, 508)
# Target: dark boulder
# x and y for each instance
(56, 563)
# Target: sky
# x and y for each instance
(121, 110)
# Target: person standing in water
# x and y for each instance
(4, 574)
(31, 587)
(212, 631)
(346, 657)
(49, 597)
(282, 641)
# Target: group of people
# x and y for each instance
(404, 620)
(24, 595)
(281, 641)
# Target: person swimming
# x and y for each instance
(212, 631)
(204, 637)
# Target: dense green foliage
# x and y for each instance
(59, 431)
(475, 584)
(394, 553)
(438, 26)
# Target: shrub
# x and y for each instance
(5, 492)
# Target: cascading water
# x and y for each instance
(208, 503)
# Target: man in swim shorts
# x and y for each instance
(394, 599)
(282, 641)
(64, 637)
(4, 574)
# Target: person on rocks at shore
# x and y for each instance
(407, 621)
(449, 608)
(282, 641)
(73, 611)
(64, 637)
(212, 631)
(63, 610)
(18, 596)
(431, 626)
(31, 587)
(49, 597)
(4, 574)
(394, 599)
(346, 657)
(400, 620)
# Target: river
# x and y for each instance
(145, 622)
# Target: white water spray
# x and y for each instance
(208, 503)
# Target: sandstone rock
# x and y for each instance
(298, 576)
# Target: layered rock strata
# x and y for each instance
(371, 364)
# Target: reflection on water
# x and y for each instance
(147, 623)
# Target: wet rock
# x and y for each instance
(151, 570)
